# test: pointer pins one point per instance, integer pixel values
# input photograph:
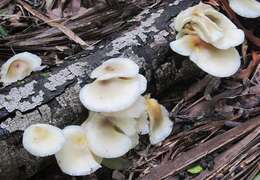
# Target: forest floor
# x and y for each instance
(217, 121)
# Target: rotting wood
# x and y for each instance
(51, 96)
(187, 158)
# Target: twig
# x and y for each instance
(61, 27)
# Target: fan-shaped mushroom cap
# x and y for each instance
(210, 25)
(75, 158)
(114, 68)
(19, 66)
(110, 137)
(246, 8)
(112, 95)
(43, 139)
(134, 111)
(160, 123)
(220, 63)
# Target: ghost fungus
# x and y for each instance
(246, 8)
(113, 94)
(217, 62)
(20, 66)
(208, 38)
(43, 139)
(210, 26)
(160, 123)
(114, 68)
(75, 157)
(110, 137)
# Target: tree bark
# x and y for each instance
(51, 96)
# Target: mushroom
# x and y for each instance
(43, 139)
(136, 110)
(113, 94)
(114, 68)
(210, 26)
(208, 38)
(246, 8)
(217, 62)
(110, 137)
(75, 158)
(160, 123)
(20, 66)
(143, 124)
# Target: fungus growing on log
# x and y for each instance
(43, 139)
(209, 39)
(75, 157)
(20, 66)
(110, 137)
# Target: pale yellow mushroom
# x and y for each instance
(43, 139)
(75, 157)
(115, 68)
(110, 137)
(20, 66)
(160, 123)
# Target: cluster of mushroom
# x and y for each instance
(118, 113)
(209, 38)
(20, 66)
(246, 8)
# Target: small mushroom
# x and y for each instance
(246, 8)
(210, 26)
(20, 66)
(113, 94)
(43, 139)
(110, 137)
(114, 68)
(75, 158)
(217, 62)
(136, 110)
(160, 123)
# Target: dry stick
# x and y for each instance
(193, 155)
(61, 27)
(227, 157)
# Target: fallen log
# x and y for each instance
(51, 96)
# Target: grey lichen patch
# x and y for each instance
(175, 3)
(58, 79)
(12, 101)
(35, 101)
(78, 69)
(130, 38)
(21, 121)
(45, 112)
(161, 37)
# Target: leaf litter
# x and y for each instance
(217, 121)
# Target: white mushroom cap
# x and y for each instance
(110, 137)
(112, 95)
(246, 8)
(160, 123)
(219, 63)
(19, 66)
(134, 111)
(210, 25)
(43, 139)
(114, 68)
(75, 158)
